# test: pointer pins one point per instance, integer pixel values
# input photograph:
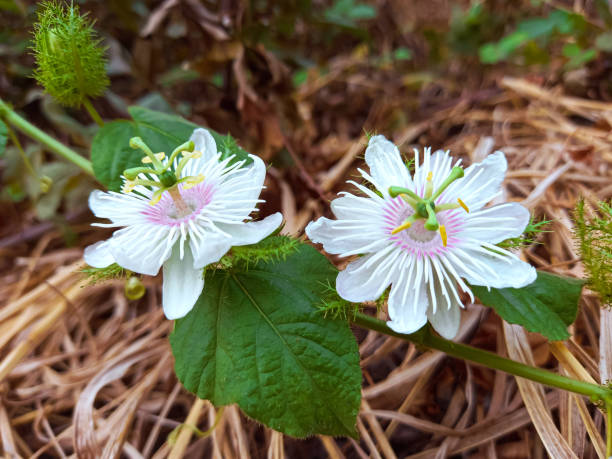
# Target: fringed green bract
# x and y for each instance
(70, 58)
(594, 236)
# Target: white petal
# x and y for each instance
(252, 232)
(210, 250)
(121, 209)
(182, 284)
(480, 268)
(142, 248)
(481, 182)
(408, 301)
(495, 224)
(205, 143)
(446, 321)
(439, 164)
(364, 283)
(238, 194)
(341, 237)
(351, 207)
(98, 255)
(386, 165)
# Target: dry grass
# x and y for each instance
(85, 372)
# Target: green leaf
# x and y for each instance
(256, 338)
(3, 136)
(111, 153)
(547, 306)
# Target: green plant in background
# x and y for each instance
(534, 34)
(594, 237)
(70, 58)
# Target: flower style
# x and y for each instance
(424, 235)
(195, 215)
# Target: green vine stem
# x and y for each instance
(92, 112)
(11, 117)
(490, 360)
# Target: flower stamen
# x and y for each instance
(147, 160)
(429, 185)
(443, 235)
(407, 224)
(191, 181)
(462, 204)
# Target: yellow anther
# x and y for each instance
(443, 235)
(429, 176)
(192, 181)
(192, 154)
(128, 186)
(462, 204)
(156, 196)
(402, 227)
(147, 160)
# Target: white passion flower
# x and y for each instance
(424, 235)
(184, 213)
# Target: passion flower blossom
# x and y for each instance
(424, 235)
(184, 225)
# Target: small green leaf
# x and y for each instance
(256, 338)
(111, 153)
(3, 136)
(547, 306)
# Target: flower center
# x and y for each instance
(166, 212)
(418, 233)
(168, 178)
(425, 208)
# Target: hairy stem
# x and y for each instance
(490, 360)
(92, 112)
(23, 125)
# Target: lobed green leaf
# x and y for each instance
(255, 338)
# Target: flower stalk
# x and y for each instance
(12, 118)
(488, 359)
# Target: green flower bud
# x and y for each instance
(70, 59)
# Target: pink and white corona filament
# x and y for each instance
(424, 235)
(183, 213)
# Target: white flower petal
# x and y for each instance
(98, 255)
(204, 143)
(481, 182)
(182, 284)
(495, 224)
(238, 194)
(210, 250)
(350, 207)
(142, 248)
(340, 237)
(407, 305)
(360, 282)
(439, 164)
(252, 232)
(121, 209)
(488, 270)
(386, 165)
(446, 321)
